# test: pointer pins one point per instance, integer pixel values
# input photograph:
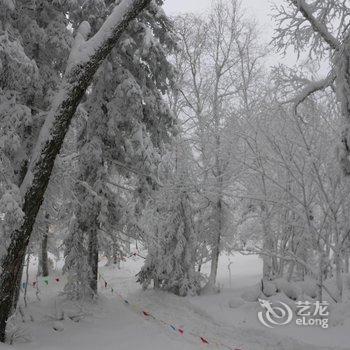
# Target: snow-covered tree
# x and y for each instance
(127, 122)
(295, 198)
(219, 64)
(322, 29)
(76, 259)
(169, 229)
(34, 47)
(84, 60)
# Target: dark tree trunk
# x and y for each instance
(17, 291)
(44, 268)
(115, 253)
(156, 283)
(93, 260)
(75, 83)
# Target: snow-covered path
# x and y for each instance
(111, 327)
(110, 324)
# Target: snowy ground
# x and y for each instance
(112, 324)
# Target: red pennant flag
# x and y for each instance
(57, 279)
(204, 340)
(181, 331)
(105, 284)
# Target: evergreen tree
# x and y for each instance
(127, 123)
(169, 229)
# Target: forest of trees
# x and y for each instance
(119, 124)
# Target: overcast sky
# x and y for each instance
(260, 9)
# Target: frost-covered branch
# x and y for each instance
(311, 88)
(317, 25)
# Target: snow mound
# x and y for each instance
(252, 294)
(235, 302)
(209, 288)
(269, 288)
(282, 297)
(309, 287)
(347, 281)
(58, 326)
(291, 290)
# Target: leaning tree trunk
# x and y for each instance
(85, 59)
(17, 291)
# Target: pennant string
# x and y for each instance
(204, 340)
(180, 330)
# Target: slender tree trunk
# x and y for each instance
(93, 259)
(27, 280)
(216, 246)
(268, 242)
(281, 265)
(302, 253)
(214, 261)
(76, 81)
(156, 283)
(275, 266)
(301, 272)
(328, 271)
(217, 114)
(43, 268)
(268, 246)
(290, 270)
(320, 276)
(116, 255)
(346, 261)
(339, 276)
